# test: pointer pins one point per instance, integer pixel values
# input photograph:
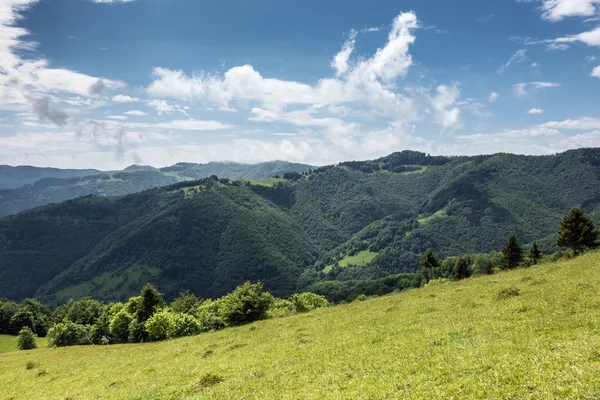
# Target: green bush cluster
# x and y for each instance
(148, 317)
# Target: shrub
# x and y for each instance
(209, 317)
(304, 302)
(437, 281)
(280, 308)
(136, 332)
(119, 326)
(26, 339)
(183, 325)
(186, 303)
(158, 325)
(247, 303)
(69, 334)
(208, 380)
(21, 319)
(507, 293)
(361, 297)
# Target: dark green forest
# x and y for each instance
(23, 188)
(329, 230)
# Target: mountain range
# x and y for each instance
(26, 187)
(339, 223)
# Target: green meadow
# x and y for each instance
(524, 334)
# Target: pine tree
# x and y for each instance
(430, 262)
(535, 254)
(512, 253)
(577, 231)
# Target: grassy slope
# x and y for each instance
(9, 343)
(455, 340)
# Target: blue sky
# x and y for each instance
(105, 84)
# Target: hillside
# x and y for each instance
(14, 177)
(453, 340)
(34, 187)
(332, 225)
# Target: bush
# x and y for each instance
(247, 303)
(26, 339)
(137, 333)
(507, 293)
(119, 326)
(183, 325)
(209, 317)
(304, 302)
(158, 325)
(361, 297)
(21, 319)
(280, 308)
(437, 281)
(69, 334)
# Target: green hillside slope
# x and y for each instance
(296, 231)
(209, 238)
(466, 339)
(47, 186)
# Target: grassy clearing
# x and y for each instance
(119, 286)
(263, 182)
(9, 343)
(361, 258)
(425, 220)
(525, 334)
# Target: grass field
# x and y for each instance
(9, 343)
(360, 258)
(472, 339)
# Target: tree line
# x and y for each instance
(146, 317)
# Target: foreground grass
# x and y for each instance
(9, 343)
(455, 340)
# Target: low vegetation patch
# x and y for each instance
(507, 293)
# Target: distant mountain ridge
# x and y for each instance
(14, 177)
(48, 185)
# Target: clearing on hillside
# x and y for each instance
(463, 339)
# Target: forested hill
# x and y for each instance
(29, 187)
(14, 177)
(335, 224)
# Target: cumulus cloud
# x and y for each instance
(124, 99)
(493, 97)
(161, 106)
(556, 10)
(340, 61)
(25, 78)
(535, 111)
(596, 72)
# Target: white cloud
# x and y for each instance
(596, 72)
(557, 46)
(520, 89)
(137, 113)
(340, 61)
(493, 97)
(583, 123)
(124, 99)
(117, 117)
(556, 10)
(25, 78)
(446, 113)
(535, 111)
(517, 57)
(161, 106)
